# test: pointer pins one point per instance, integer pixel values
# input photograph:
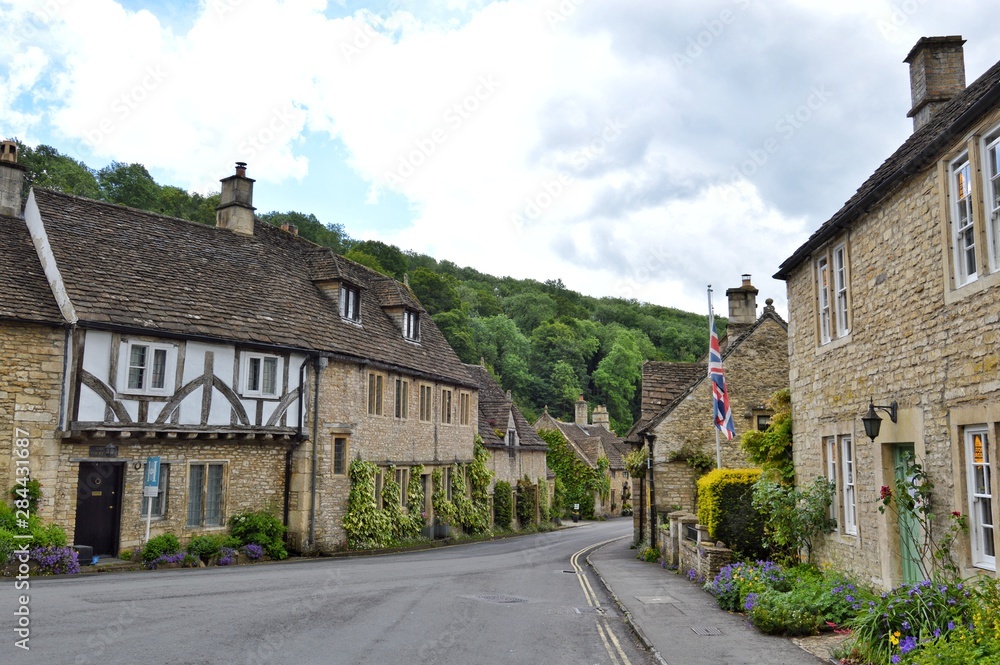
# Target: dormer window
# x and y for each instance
(411, 325)
(511, 437)
(261, 375)
(149, 368)
(350, 302)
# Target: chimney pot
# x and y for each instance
(937, 74)
(11, 180)
(241, 169)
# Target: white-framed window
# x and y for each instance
(830, 457)
(402, 479)
(847, 468)
(446, 406)
(158, 506)
(402, 398)
(411, 325)
(963, 230)
(823, 298)
(840, 289)
(206, 494)
(464, 410)
(978, 477)
(149, 368)
(375, 385)
(339, 455)
(511, 439)
(261, 375)
(991, 176)
(425, 404)
(350, 302)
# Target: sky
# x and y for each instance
(634, 149)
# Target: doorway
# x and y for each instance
(909, 530)
(99, 506)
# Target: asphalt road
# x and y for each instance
(528, 600)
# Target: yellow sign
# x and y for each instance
(977, 449)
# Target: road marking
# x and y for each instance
(612, 645)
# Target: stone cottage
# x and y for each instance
(255, 364)
(676, 417)
(516, 450)
(590, 441)
(895, 302)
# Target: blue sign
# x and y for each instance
(151, 483)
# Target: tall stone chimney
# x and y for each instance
(937, 73)
(235, 209)
(742, 308)
(581, 411)
(601, 417)
(11, 180)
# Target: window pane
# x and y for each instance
(158, 380)
(253, 374)
(339, 456)
(270, 378)
(137, 367)
(196, 484)
(213, 502)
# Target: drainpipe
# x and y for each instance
(298, 442)
(651, 439)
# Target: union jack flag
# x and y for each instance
(720, 398)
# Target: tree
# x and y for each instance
(617, 378)
(311, 228)
(529, 309)
(436, 292)
(366, 260)
(389, 256)
(454, 325)
(129, 185)
(47, 167)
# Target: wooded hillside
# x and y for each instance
(543, 342)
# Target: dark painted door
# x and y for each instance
(98, 506)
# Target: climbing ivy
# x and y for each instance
(444, 510)
(543, 501)
(415, 497)
(366, 526)
(526, 501)
(576, 476)
(477, 519)
(601, 482)
(503, 509)
(772, 448)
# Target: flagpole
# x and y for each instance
(711, 324)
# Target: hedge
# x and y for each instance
(725, 506)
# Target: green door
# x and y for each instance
(909, 531)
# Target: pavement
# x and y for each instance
(682, 624)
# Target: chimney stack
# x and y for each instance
(235, 209)
(937, 73)
(601, 417)
(581, 411)
(742, 308)
(11, 180)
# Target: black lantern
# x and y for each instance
(871, 420)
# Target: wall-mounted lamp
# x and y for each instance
(871, 420)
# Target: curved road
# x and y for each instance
(529, 600)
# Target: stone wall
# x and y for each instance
(914, 339)
(754, 371)
(31, 379)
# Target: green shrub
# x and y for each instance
(7, 546)
(525, 502)
(650, 554)
(30, 492)
(161, 545)
(543, 502)
(50, 535)
(558, 508)
(206, 546)
(776, 613)
(260, 527)
(725, 506)
(502, 505)
(736, 581)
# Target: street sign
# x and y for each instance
(151, 482)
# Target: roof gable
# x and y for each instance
(496, 411)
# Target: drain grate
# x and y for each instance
(706, 631)
(499, 598)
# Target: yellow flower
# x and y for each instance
(894, 638)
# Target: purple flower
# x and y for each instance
(895, 658)
(750, 602)
(951, 625)
(692, 574)
(937, 632)
(907, 644)
(906, 625)
(253, 551)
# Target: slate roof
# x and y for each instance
(589, 439)
(668, 380)
(24, 290)
(134, 269)
(924, 147)
(495, 410)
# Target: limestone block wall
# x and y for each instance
(913, 339)
(31, 379)
(754, 371)
(512, 468)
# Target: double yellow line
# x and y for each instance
(611, 644)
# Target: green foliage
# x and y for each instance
(47, 167)
(50, 535)
(477, 517)
(725, 506)
(771, 449)
(793, 516)
(367, 260)
(392, 260)
(30, 491)
(415, 499)
(649, 554)
(366, 526)
(261, 527)
(558, 507)
(694, 456)
(738, 581)
(503, 506)
(617, 377)
(157, 546)
(444, 510)
(635, 462)
(310, 228)
(975, 642)
(779, 614)
(543, 501)
(601, 480)
(454, 325)
(436, 292)
(206, 546)
(525, 502)
(813, 600)
(576, 477)
(129, 185)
